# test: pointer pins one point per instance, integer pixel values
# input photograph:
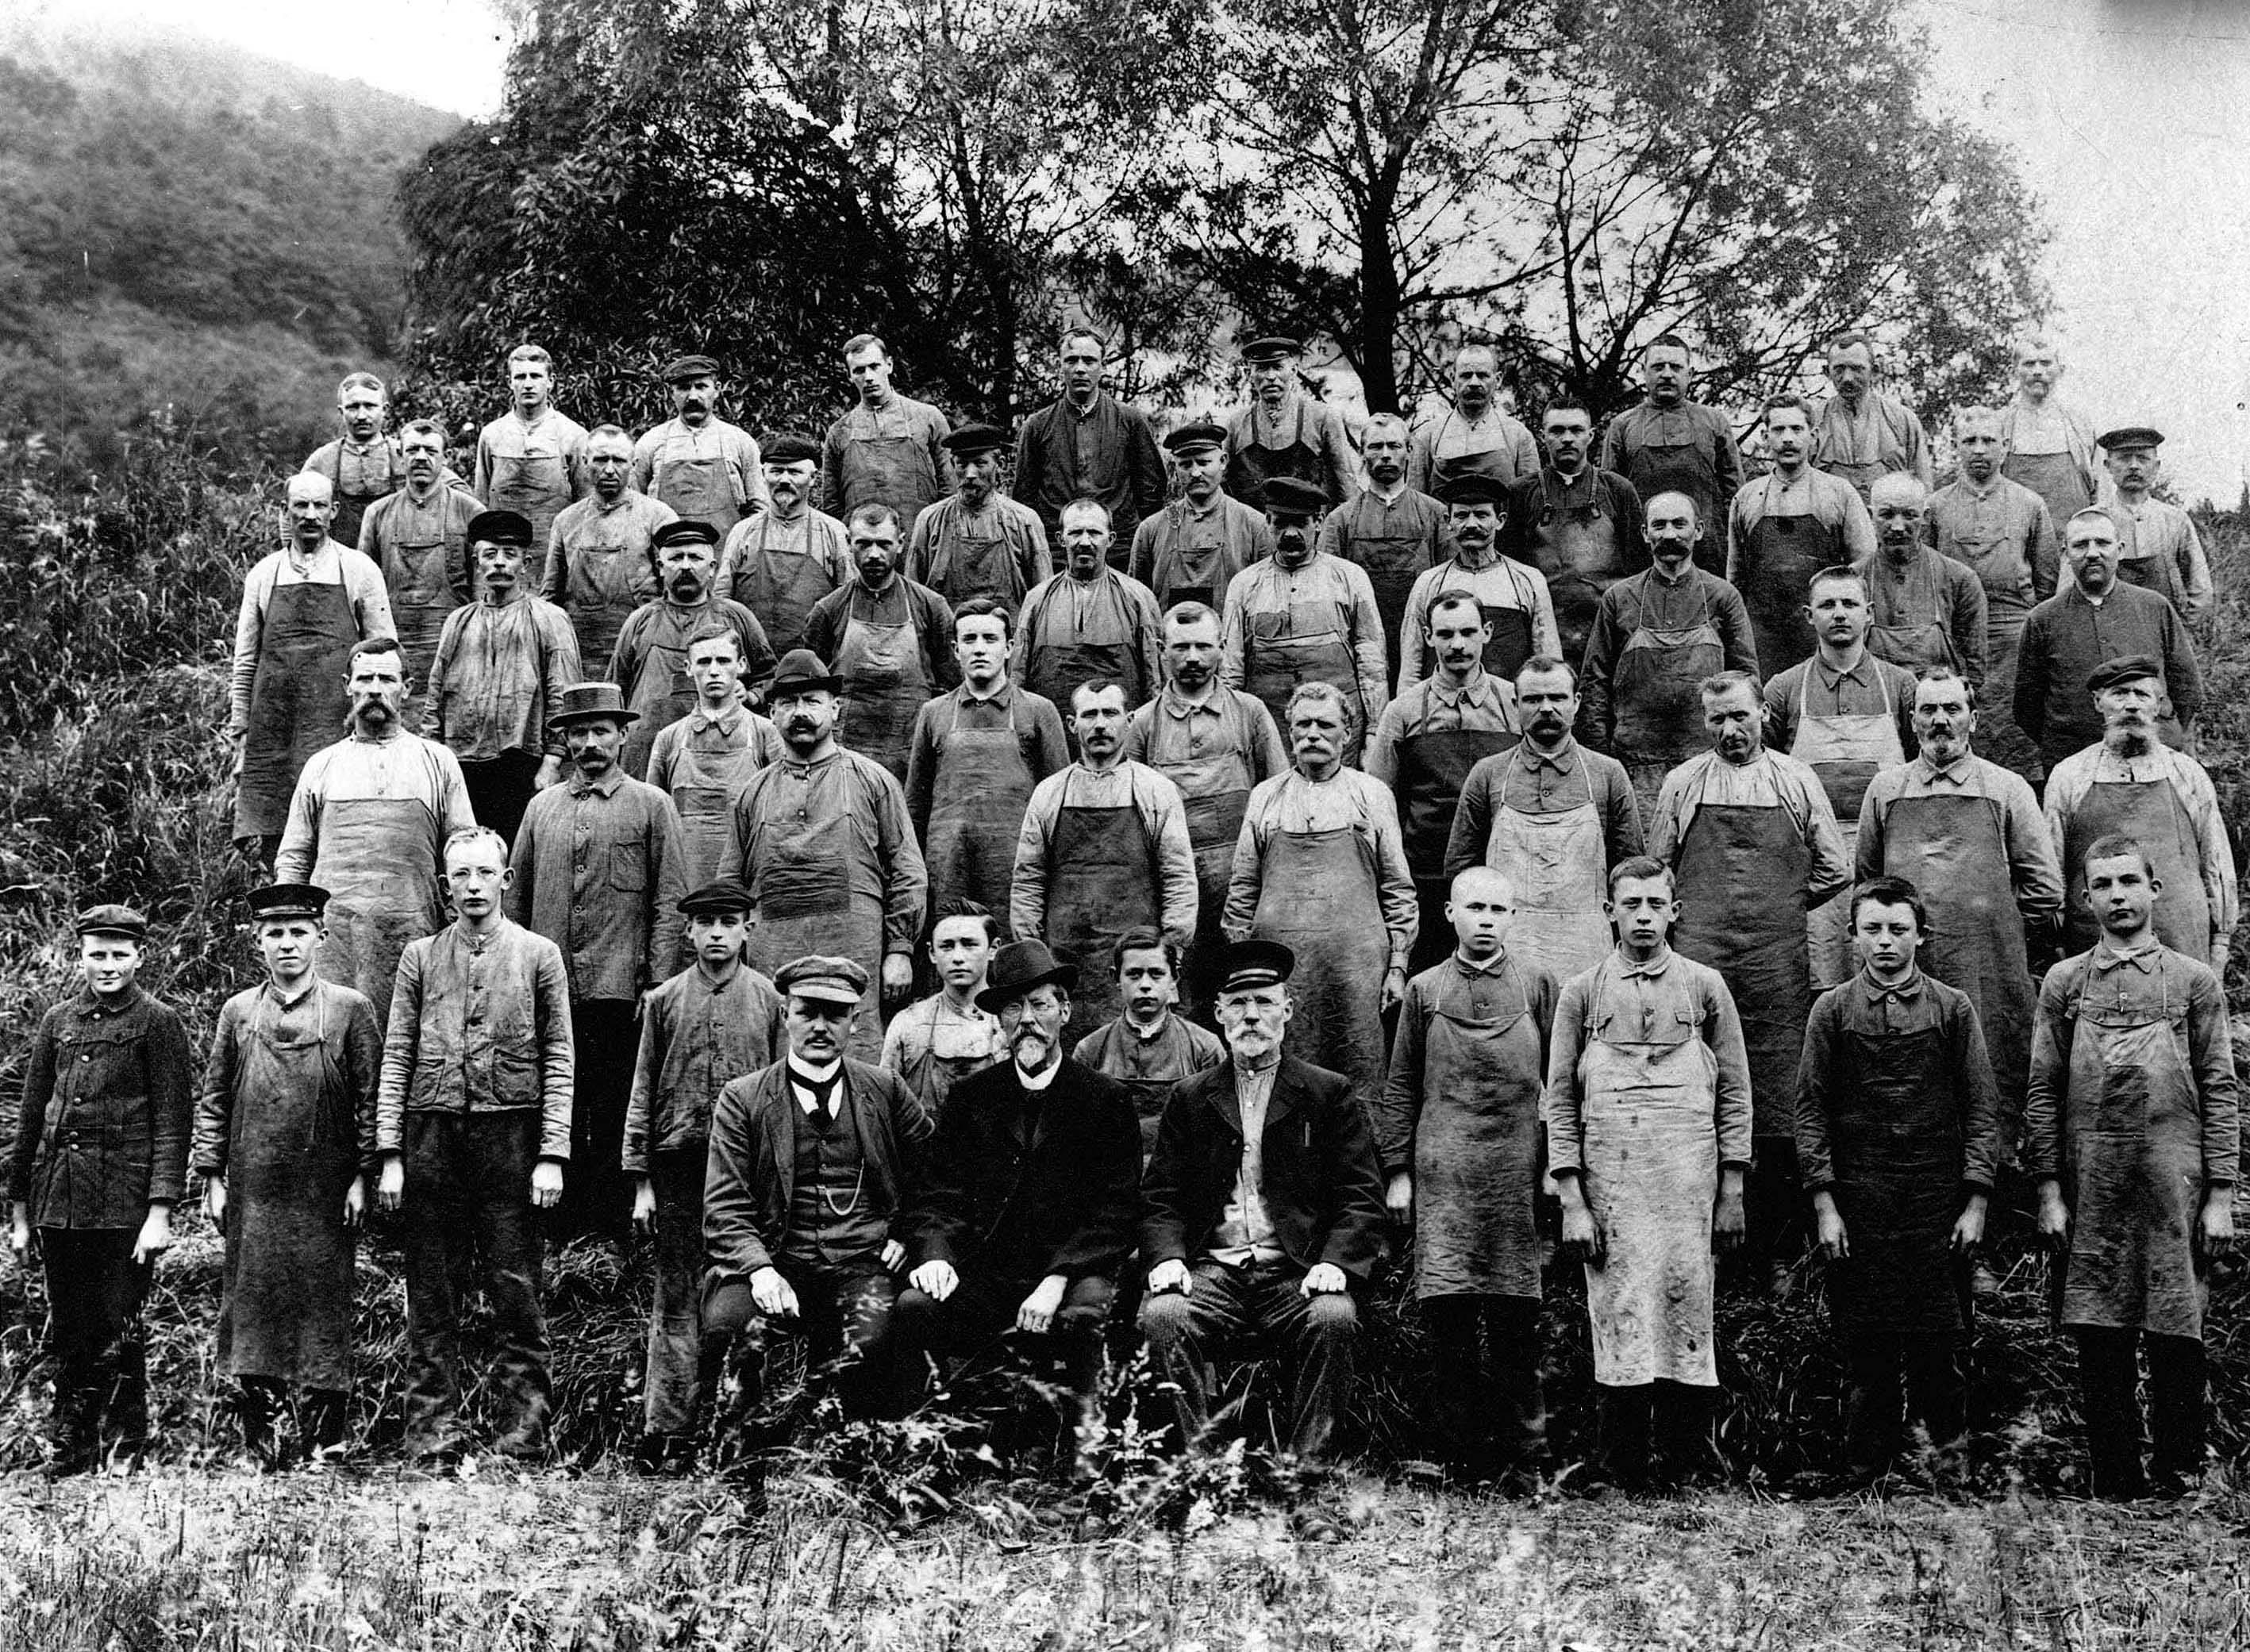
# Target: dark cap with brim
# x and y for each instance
(827, 980)
(1195, 438)
(687, 531)
(1298, 498)
(2126, 668)
(288, 900)
(498, 527)
(689, 366)
(789, 447)
(110, 919)
(1472, 489)
(719, 896)
(972, 439)
(2130, 435)
(1273, 348)
(1248, 965)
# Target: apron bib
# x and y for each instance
(704, 784)
(1652, 1175)
(978, 795)
(420, 584)
(297, 702)
(805, 905)
(1847, 750)
(779, 585)
(1491, 463)
(1577, 548)
(536, 485)
(2002, 569)
(1318, 900)
(368, 484)
(973, 557)
(1392, 565)
(2055, 478)
(2151, 811)
(1785, 553)
(1560, 866)
(1659, 709)
(1898, 1157)
(292, 1149)
(1909, 643)
(1302, 643)
(604, 582)
(701, 490)
(957, 1049)
(1432, 769)
(895, 471)
(1102, 881)
(662, 692)
(885, 688)
(1058, 662)
(1689, 468)
(1476, 1154)
(1254, 464)
(2158, 574)
(378, 861)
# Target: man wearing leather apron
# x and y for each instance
(889, 449)
(418, 537)
(891, 638)
(976, 542)
(2050, 443)
(703, 761)
(1285, 433)
(1191, 550)
(1393, 532)
(1927, 609)
(368, 823)
(531, 459)
(1861, 433)
(782, 562)
(1785, 526)
(695, 462)
(363, 464)
(601, 553)
(1475, 436)
(2158, 546)
(1519, 610)
(1087, 620)
(1577, 524)
(649, 660)
(1669, 444)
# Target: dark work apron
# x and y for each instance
(1896, 1142)
(978, 793)
(1657, 706)
(1251, 465)
(536, 485)
(1685, 467)
(1786, 551)
(1318, 897)
(353, 502)
(885, 684)
(806, 905)
(298, 700)
(2151, 813)
(1102, 881)
(1581, 551)
(1476, 1152)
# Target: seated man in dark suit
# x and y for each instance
(1032, 1198)
(1262, 1209)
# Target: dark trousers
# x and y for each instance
(978, 1322)
(1774, 1207)
(320, 1414)
(2109, 1379)
(501, 788)
(1485, 1393)
(606, 1040)
(470, 1219)
(1670, 1421)
(677, 1384)
(843, 1312)
(1230, 1304)
(94, 1291)
(1891, 1373)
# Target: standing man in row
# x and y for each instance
(889, 449)
(978, 541)
(1578, 526)
(363, 465)
(1393, 534)
(1519, 612)
(531, 459)
(1191, 550)
(1785, 526)
(2157, 546)
(650, 661)
(2049, 444)
(1087, 444)
(1285, 433)
(705, 469)
(1861, 433)
(1475, 436)
(601, 553)
(1669, 443)
(780, 562)
(418, 537)
(1927, 609)
(1087, 621)
(891, 640)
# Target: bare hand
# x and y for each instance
(19, 1234)
(2054, 1216)
(1968, 1228)
(898, 977)
(1394, 988)
(2218, 1221)
(1398, 1198)
(1172, 1275)
(390, 1186)
(155, 1235)
(773, 1294)
(214, 1200)
(1323, 1279)
(644, 1210)
(894, 1256)
(354, 1202)
(1727, 1221)
(1038, 1312)
(935, 1280)
(546, 1184)
(1835, 1243)
(550, 772)
(1582, 1235)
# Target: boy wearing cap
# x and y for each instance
(706, 469)
(473, 1123)
(936, 1042)
(712, 1022)
(100, 1159)
(285, 1137)
(782, 562)
(649, 660)
(501, 665)
(976, 542)
(1030, 1199)
(813, 1162)
(1191, 551)
(598, 562)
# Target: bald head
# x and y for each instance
(1481, 903)
(310, 487)
(1980, 442)
(310, 509)
(1897, 502)
(1672, 528)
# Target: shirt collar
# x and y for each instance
(291, 1000)
(607, 785)
(1177, 706)
(726, 722)
(1653, 968)
(1905, 992)
(1956, 773)
(2143, 958)
(1563, 761)
(1003, 696)
(1863, 673)
(1492, 966)
(1133, 1028)
(1397, 493)
(800, 1068)
(1035, 1082)
(90, 1002)
(1478, 691)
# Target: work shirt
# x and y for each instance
(1404, 514)
(1648, 600)
(1059, 610)
(1318, 425)
(1880, 431)
(1929, 589)
(1321, 581)
(1244, 1232)
(554, 434)
(2158, 530)
(364, 474)
(1484, 704)
(319, 1013)
(1454, 435)
(1227, 531)
(332, 564)
(941, 532)
(2031, 869)
(1534, 782)
(2069, 781)
(697, 1036)
(600, 866)
(108, 1110)
(2000, 514)
(809, 533)
(887, 873)
(1471, 992)
(2070, 634)
(1771, 780)
(1171, 732)
(400, 519)
(1039, 738)
(1163, 818)
(677, 442)
(1864, 1008)
(1174, 1048)
(706, 733)
(1547, 490)
(479, 1024)
(1501, 582)
(1830, 500)
(629, 523)
(1639, 431)
(402, 768)
(899, 416)
(1872, 688)
(1105, 450)
(498, 674)
(1646, 1003)
(905, 603)
(970, 1034)
(665, 623)
(1346, 800)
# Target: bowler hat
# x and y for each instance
(583, 701)
(802, 672)
(1018, 967)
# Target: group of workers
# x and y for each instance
(1528, 828)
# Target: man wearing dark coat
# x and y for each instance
(1262, 1210)
(1032, 1197)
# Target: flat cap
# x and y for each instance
(832, 981)
(1195, 438)
(1273, 348)
(1299, 497)
(2126, 668)
(113, 919)
(802, 671)
(1248, 965)
(688, 530)
(288, 900)
(689, 366)
(720, 895)
(498, 527)
(581, 702)
(789, 447)
(1469, 488)
(2130, 435)
(972, 439)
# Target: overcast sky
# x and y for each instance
(2131, 117)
